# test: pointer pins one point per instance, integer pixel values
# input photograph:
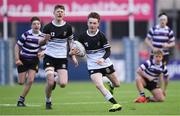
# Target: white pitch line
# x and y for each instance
(66, 103)
(79, 103)
(29, 105)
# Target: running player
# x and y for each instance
(55, 59)
(27, 51)
(98, 62)
(149, 76)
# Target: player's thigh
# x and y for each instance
(63, 76)
(97, 79)
(21, 77)
(113, 78)
(140, 80)
(158, 94)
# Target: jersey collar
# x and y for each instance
(92, 34)
(58, 25)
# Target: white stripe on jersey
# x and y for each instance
(23, 53)
(57, 49)
(20, 43)
(92, 59)
(30, 50)
(161, 37)
(32, 44)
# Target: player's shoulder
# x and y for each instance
(68, 24)
(101, 35)
(149, 61)
(48, 25)
(82, 34)
(26, 33)
(154, 27)
(169, 29)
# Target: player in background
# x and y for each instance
(56, 57)
(150, 76)
(27, 54)
(98, 62)
(161, 37)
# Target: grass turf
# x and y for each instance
(82, 98)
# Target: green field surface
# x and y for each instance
(82, 98)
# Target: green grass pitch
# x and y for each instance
(82, 98)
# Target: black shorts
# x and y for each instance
(103, 71)
(165, 59)
(57, 63)
(151, 85)
(28, 64)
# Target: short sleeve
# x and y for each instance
(22, 39)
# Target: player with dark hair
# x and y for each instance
(27, 54)
(150, 77)
(56, 53)
(161, 37)
(98, 62)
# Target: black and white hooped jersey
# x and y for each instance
(159, 36)
(29, 44)
(95, 46)
(60, 34)
(154, 70)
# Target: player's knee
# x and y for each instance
(49, 71)
(63, 85)
(117, 84)
(30, 82)
(161, 99)
(21, 83)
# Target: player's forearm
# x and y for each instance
(161, 80)
(172, 44)
(143, 74)
(17, 50)
(107, 54)
(42, 42)
(148, 42)
(166, 81)
(70, 43)
(73, 57)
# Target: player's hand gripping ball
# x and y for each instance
(80, 50)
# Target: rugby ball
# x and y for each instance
(80, 47)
